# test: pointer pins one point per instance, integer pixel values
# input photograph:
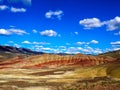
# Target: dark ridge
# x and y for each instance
(11, 49)
(114, 54)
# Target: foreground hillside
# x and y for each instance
(105, 76)
(54, 61)
(60, 72)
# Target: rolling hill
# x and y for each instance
(24, 69)
(114, 54)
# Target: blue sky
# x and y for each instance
(61, 26)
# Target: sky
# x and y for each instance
(61, 26)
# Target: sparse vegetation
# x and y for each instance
(59, 72)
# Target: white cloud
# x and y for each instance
(76, 33)
(86, 43)
(3, 7)
(4, 32)
(46, 49)
(49, 33)
(42, 49)
(80, 43)
(113, 24)
(15, 10)
(17, 31)
(54, 14)
(114, 49)
(41, 43)
(97, 51)
(91, 23)
(16, 45)
(12, 9)
(71, 50)
(115, 43)
(90, 50)
(62, 47)
(94, 42)
(84, 50)
(26, 42)
(35, 43)
(34, 31)
(12, 31)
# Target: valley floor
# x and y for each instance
(101, 77)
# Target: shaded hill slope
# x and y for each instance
(17, 50)
(7, 52)
(114, 54)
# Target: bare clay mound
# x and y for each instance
(60, 72)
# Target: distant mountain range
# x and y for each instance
(18, 50)
(7, 52)
(10, 51)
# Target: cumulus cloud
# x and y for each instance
(85, 50)
(34, 31)
(54, 14)
(94, 42)
(4, 32)
(3, 7)
(114, 49)
(86, 43)
(76, 33)
(15, 10)
(12, 9)
(80, 43)
(26, 42)
(43, 49)
(113, 24)
(46, 49)
(12, 31)
(115, 43)
(41, 43)
(90, 50)
(35, 43)
(70, 50)
(17, 45)
(49, 33)
(90, 23)
(17, 31)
